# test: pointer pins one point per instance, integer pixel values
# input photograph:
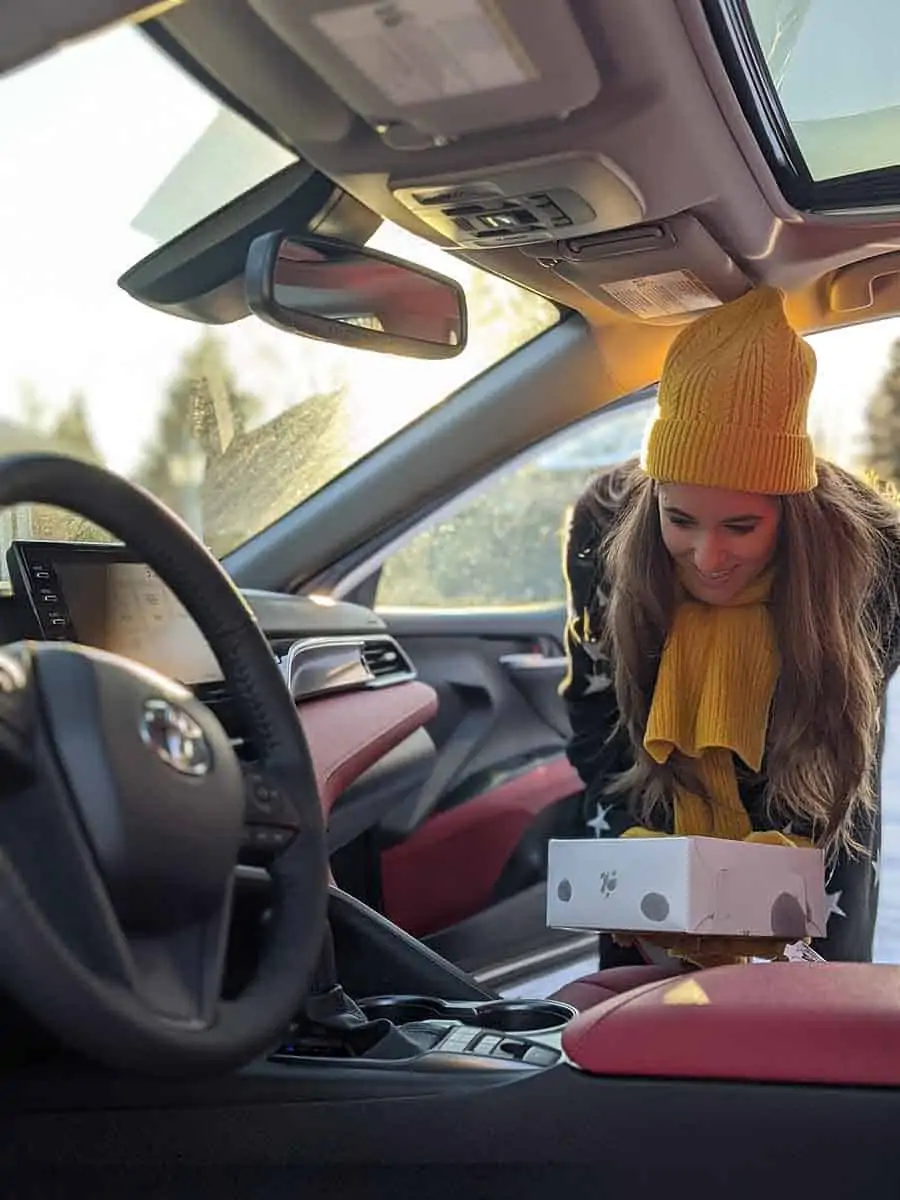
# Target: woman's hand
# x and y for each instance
(716, 951)
(771, 837)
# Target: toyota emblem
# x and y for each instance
(175, 736)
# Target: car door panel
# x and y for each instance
(500, 770)
(475, 662)
(539, 676)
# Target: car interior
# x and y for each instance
(273, 869)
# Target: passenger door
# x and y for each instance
(477, 598)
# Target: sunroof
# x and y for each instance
(821, 84)
(834, 65)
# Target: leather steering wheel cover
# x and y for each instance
(99, 1016)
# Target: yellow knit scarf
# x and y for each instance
(713, 691)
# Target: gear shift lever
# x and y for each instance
(327, 1004)
(337, 1024)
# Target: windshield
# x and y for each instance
(111, 149)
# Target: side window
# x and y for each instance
(502, 547)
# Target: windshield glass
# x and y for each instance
(111, 149)
(833, 64)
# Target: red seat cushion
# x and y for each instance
(447, 870)
(594, 989)
(831, 1023)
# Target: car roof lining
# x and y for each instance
(661, 74)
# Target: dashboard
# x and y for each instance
(101, 595)
(330, 653)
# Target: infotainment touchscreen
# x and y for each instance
(99, 596)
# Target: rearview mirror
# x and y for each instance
(338, 292)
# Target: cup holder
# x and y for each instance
(501, 1016)
(524, 1016)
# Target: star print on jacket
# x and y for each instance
(599, 823)
(596, 683)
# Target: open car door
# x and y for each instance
(476, 597)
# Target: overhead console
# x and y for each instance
(581, 133)
(530, 202)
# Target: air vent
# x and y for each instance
(316, 666)
(386, 660)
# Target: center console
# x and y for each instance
(429, 1034)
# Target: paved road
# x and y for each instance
(887, 934)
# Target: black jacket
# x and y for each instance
(591, 701)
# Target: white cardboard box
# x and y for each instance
(691, 885)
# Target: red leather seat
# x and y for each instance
(594, 989)
(830, 1023)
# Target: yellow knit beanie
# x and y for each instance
(733, 399)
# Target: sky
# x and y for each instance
(86, 138)
(852, 45)
(834, 59)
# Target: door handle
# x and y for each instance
(534, 662)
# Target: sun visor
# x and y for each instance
(43, 25)
(425, 72)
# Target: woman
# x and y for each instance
(735, 619)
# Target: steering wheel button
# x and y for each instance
(267, 837)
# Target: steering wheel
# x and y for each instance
(123, 808)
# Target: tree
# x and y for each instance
(882, 438)
(269, 470)
(505, 313)
(223, 472)
(69, 432)
(202, 411)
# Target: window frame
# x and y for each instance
(360, 585)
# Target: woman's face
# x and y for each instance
(722, 540)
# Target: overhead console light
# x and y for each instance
(530, 202)
(426, 72)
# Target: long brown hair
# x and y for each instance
(833, 607)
